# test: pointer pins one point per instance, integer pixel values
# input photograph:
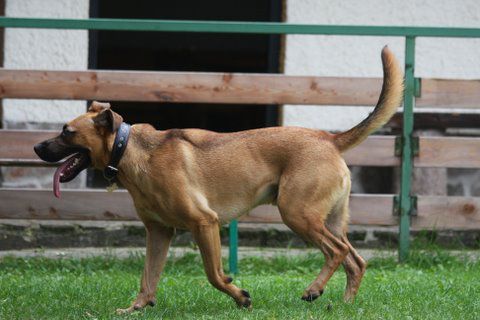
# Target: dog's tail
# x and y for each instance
(390, 98)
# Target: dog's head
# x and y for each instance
(85, 139)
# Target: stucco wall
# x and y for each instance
(360, 56)
(44, 49)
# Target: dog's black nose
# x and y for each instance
(38, 148)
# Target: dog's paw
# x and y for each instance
(124, 311)
(311, 296)
(349, 297)
(151, 303)
(136, 306)
(245, 301)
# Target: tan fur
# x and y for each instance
(197, 180)
(390, 98)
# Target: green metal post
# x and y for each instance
(233, 247)
(406, 202)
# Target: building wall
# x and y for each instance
(304, 55)
(360, 56)
(42, 49)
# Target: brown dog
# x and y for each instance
(198, 180)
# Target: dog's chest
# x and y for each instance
(155, 216)
(231, 212)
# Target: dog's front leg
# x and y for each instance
(158, 242)
(207, 236)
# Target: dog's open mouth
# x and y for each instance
(69, 169)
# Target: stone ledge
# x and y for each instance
(30, 234)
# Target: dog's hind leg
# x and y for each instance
(355, 267)
(353, 264)
(207, 236)
(307, 197)
(334, 251)
(311, 227)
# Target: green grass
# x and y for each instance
(433, 285)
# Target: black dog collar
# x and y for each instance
(119, 146)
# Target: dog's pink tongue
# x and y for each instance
(56, 177)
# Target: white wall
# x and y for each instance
(44, 49)
(360, 56)
(305, 55)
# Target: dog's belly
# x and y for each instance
(238, 206)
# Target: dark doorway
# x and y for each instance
(208, 52)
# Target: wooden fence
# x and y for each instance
(432, 212)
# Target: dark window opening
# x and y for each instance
(179, 51)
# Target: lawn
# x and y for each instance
(434, 285)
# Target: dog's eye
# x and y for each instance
(67, 132)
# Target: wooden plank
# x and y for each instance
(440, 212)
(372, 209)
(223, 88)
(17, 149)
(365, 209)
(188, 87)
(376, 151)
(441, 121)
(73, 205)
(18, 144)
(434, 212)
(436, 152)
(440, 93)
(101, 205)
(25, 163)
(450, 152)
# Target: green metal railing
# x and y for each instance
(234, 27)
(406, 199)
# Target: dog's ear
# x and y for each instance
(108, 119)
(98, 106)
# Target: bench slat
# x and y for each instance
(365, 209)
(451, 152)
(18, 144)
(434, 212)
(193, 87)
(441, 212)
(440, 93)
(202, 87)
(101, 205)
